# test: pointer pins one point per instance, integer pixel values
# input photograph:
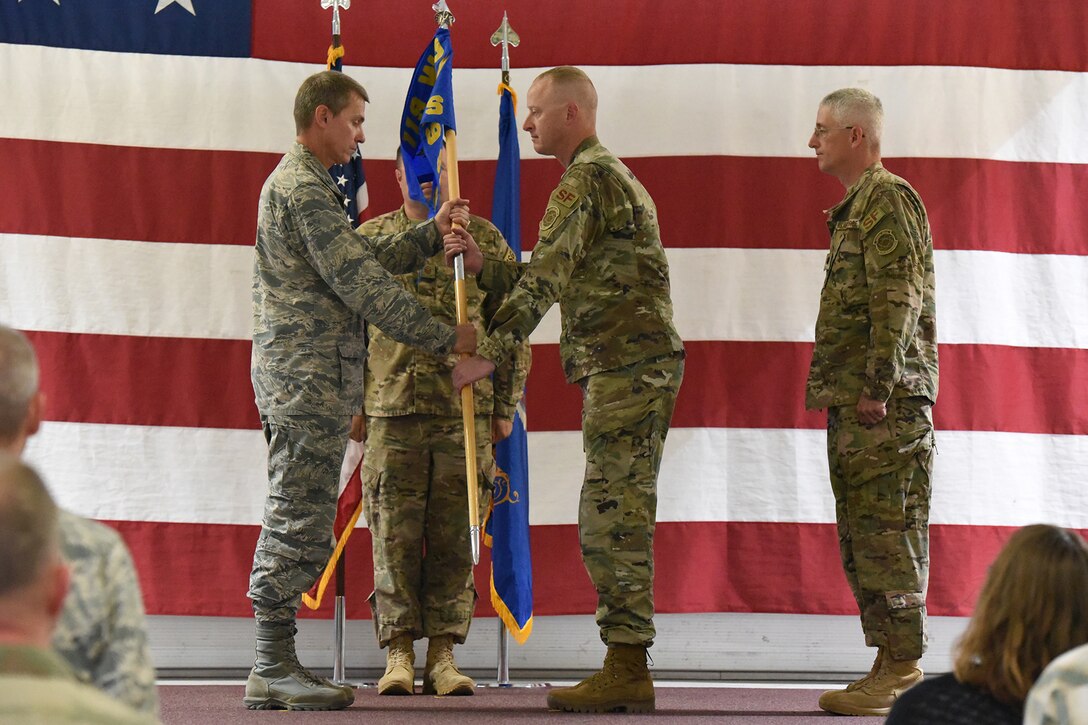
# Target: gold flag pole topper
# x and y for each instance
(444, 18)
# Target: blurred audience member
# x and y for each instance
(1032, 609)
(36, 686)
(1060, 695)
(102, 633)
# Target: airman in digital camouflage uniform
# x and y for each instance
(36, 686)
(874, 368)
(315, 280)
(102, 632)
(414, 465)
(600, 257)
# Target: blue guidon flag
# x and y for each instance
(506, 530)
(428, 113)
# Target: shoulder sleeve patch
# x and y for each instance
(566, 195)
(560, 206)
(874, 216)
(551, 216)
(885, 242)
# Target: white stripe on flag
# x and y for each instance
(708, 474)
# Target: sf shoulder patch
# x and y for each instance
(885, 242)
(560, 205)
(565, 195)
(871, 219)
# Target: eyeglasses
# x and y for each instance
(820, 131)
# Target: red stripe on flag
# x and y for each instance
(756, 567)
(152, 194)
(1006, 34)
(160, 381)
(211, 197)
(205, 384)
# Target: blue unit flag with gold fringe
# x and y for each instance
(507, 527)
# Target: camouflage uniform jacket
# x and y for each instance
(314, 280)
(102, 632)
(37, 687)
(401, 380)
(876, 332)
(600, 255)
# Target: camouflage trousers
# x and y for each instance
(625, 418)
(305, 453)
(416, 506)
(880, 476)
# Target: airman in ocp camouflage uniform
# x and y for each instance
(414, 466)
(874, 368)
(102, 631)
(315, 279)
(600, 257)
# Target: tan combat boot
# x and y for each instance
(872, 671)
(441, 676)
(622, 685)
(279, 682)
(876, 696)
(400, 675)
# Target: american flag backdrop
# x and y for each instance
(135, 135)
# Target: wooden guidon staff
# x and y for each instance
(445, 19)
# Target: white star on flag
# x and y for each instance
(342, 180)
(55, 1)
(187, 4)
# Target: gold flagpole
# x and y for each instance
(445, 19)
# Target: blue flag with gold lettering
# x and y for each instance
(428, 112)
(507, 527)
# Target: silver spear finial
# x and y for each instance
(507, 37)
(335, 5)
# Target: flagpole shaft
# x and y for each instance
(339, 624)
(468, 407)
(502, 677)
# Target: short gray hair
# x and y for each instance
(29, 534)
(18, 381)
(858, 107)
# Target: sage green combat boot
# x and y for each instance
(622, 685)
(441, 676)
(279, 682)
(400, 675)
(875, 697)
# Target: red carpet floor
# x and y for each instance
(215, 704)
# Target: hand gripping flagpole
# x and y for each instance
(444, 18)
(340, 610)
(506, 37)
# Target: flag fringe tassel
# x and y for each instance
(315, 601)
